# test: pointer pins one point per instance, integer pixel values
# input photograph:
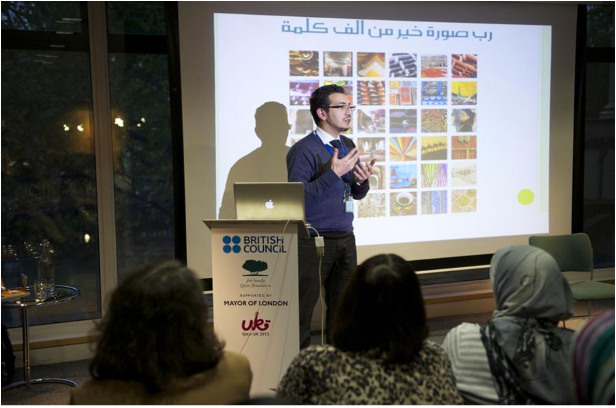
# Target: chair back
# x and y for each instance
(572, 252)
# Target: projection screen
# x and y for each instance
(460, 114)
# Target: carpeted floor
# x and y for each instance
(47, 394)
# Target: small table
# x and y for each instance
(62, 294)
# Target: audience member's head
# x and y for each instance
(593, 361)
(382, 308)
(528, 354)
(156, 329)
(528, 283)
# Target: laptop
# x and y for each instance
(269, 201)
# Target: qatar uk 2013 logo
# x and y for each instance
(256, 324)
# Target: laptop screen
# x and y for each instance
(269, 201)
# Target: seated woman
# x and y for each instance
(380, 354)
(520, 356)
(593, 361)
(156, 347)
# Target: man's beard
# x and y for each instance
(345, 128)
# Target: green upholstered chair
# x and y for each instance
(573, 252)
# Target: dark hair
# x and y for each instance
(382, 308)
(155, 329)
(320, 99)
(470, 113)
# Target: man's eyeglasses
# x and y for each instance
(343, 107)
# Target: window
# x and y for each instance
(600, 26)
(142, 159)
(132, 17)
(51, 16)
(599, 162)
(48, 166)
(142, 134)
(598, 132)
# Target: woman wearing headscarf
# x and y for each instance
(520, 356)
(464, 120)
(593, 361)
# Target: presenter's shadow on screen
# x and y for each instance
(267, 163)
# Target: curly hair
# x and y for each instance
(320, 99)
(155, 329)
(382, 308)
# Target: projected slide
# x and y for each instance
(456, 115)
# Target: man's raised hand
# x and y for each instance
(344, 165)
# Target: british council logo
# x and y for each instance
(231, 244)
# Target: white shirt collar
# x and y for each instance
(325, 137)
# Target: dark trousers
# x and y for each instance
(339, 262)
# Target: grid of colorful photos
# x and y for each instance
(402, 148)
(434, 148)
(371, 64)
(434, 120)
(417, 115)
(371, 93)
(403, 121)
(433, 66)
(370, 120)
(377, 178)
(433, 92)
(464, 66)
(402, 93)
(338, 64)
(372, 206)
(304, 63)
(434, 175)
(464, 93)
(403, 65)
(463, 201)
(371, 148)
(464, 120)
(404, 203)
(463, 174)
(463, 147)
(300, 91)
(403, 176)
(433, 202)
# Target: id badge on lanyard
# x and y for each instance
(348, 198)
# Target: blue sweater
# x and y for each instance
(309, 161)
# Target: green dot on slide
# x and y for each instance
(526, 196)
